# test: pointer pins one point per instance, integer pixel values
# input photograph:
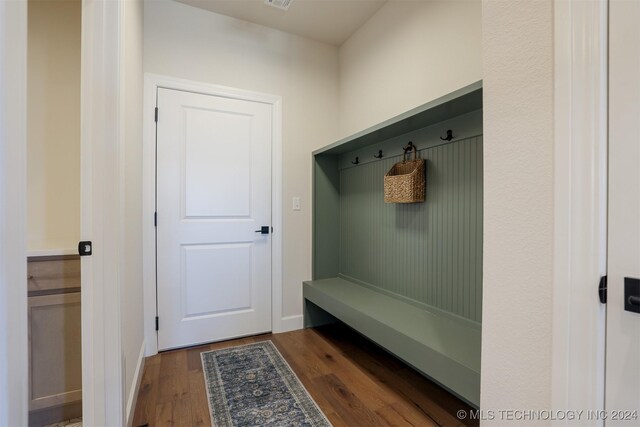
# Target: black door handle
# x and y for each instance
(263, 230)
(632, 294)
(85, 248)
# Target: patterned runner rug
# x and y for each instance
(252, 385)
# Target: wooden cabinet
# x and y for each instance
(53, 274)
(55, 357)
(55, 370)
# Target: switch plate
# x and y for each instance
(296, 203)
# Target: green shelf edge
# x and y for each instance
(456, 103)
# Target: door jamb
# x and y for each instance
(14, 401)
(152, 82)
(580, 174)
(101, 359)
(102, 201)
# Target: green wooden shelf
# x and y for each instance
(444, 348)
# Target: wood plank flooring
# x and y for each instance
(354, 382)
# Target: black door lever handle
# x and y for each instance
(632, 294)
(263, 230)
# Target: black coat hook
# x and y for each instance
(449, 136)
(379, 156)
(408, 147)
(357, 161)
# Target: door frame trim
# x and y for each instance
(102, 201)
(14, 401)
(580, 203)
(153, 82)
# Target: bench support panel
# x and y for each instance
(314, 316)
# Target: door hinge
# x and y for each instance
(155, 219)
(156, 115)
(602, 289)
(157, 323)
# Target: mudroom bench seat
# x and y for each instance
(444, 347)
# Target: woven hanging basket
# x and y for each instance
(405, 181)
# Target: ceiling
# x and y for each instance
(327, 21)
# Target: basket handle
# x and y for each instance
(408, 149)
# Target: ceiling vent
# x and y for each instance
(280, 4)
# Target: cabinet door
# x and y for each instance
(55, 372)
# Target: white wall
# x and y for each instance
(194, 44)
(408, 53)
(53, 153)
(14, 403)
(131, 288)
(518, 204)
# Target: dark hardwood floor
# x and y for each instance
(354, 382)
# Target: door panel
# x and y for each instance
(213, 193)
(200, 262)
(623, 327)
(223, 162)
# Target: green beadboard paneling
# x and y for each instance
(326, 202)
(429, 253)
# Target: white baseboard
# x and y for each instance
(135, 386)
(291, 323)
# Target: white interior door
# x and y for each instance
(623, 326)
(213, 194)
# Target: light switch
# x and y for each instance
(296, 203)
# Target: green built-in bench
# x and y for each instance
(444, 347)
(406, 276)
